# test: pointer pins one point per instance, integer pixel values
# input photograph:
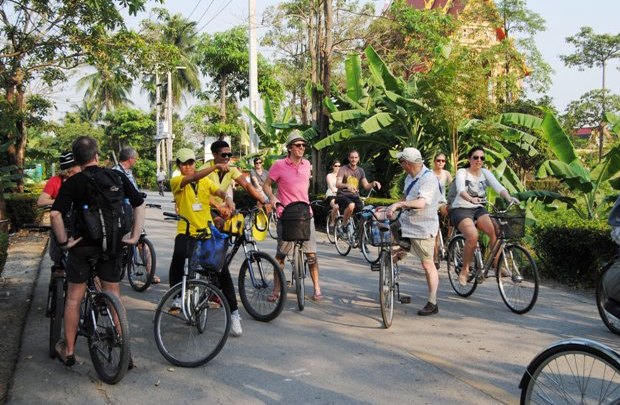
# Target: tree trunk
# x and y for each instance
(223, 83)
(326, 61)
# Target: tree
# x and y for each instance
(106, 89)
(594, 50)
(129, 127)
(520, 26)
(587, 111)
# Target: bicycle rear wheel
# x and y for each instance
(141, 267)
(575, 371)
(455, 264)
(273, 225)
(57, 289)
(371, 253)
(610, 320)
(193, 338)
(262, 286)
(386, 288)
(341, 238)
(108, 342)
(517, 279)
(299, 264)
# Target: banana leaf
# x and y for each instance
(334, 138)
(558, 141)
(377, 122)
(380, 71)
(546, 197)
(572, 174)
(343, 116)
(353, 70)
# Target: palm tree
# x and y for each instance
(179, 32)
(106, 89)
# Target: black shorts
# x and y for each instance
(459, 214)
(344, 201)
(328, 200)
(108, 268)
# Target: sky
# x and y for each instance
(563, 18)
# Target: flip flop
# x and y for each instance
(273, 297)
(317, 297)
(156, 280)
(61, 348)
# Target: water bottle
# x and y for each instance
(376, 234)
(85, 207)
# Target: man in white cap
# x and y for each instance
(420, 224)
(292, 175)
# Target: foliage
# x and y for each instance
(22, 209)
(106, 89)
(587, 111)
(4, 246)
(144, 171)
(571, 249)
(128, 127)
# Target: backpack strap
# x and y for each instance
(413, 183)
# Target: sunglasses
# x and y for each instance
(336, 165)
(481, 158)
(440, 160)
(299, 145)
(258, 163)
(226, 155)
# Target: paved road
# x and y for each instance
(335, 351)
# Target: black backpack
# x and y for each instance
(107, 216)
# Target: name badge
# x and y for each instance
(197, 206)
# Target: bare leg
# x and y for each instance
(313, 265)
(75, 293)
(469, 231)
(432, 280)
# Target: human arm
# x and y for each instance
(199, 174)
(251, 190)
(370, 184)
(268, 190)
(497, 186)
(330, 179)
(45, 200)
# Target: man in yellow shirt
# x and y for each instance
(192, 191)
(221, 208)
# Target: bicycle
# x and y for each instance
(516, 271)
(389, 273)
(197, 332)
(273, 225)
(441, 248)
(608, 310)
(103, 321)
(572, 371)
(357, 233)
(259, 274)
(140, 261)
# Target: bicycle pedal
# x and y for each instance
(375, 267)
(404, 299)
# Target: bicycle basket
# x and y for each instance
(295, 221)
(209, 253)
(511, 224)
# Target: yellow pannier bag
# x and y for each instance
(259, 227)
(234, 224)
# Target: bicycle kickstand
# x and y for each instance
(404, 299)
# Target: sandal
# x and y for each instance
(61, 351)
(317, 297)
(273, 297)
(156, 280)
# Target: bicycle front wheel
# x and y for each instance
(196, 333)
(330, 227)
(141, 265)
(576, 371)
(273, 225)
(455, 264)
(108, 343)
(262, 286)
(299, 264)
(386, 288)
(341, 238)
(611, 321)
(371, 253)
(57, 290)
(517, 279)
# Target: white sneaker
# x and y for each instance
(176, 305)
(235, 327)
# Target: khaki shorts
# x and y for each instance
(285, 247)
(423, 248)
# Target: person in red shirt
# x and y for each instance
(68, 167)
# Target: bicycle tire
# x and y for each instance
(56, 314)
(574, 371)
(185, 342)
(329, 229)
(273, 225)
(386, 288)
(371, 253)
(341, 240)
(518, 285)
(299, 276)
(258, 277)
(141, 270)
(611, 322)
(108, 342)
(455, 263)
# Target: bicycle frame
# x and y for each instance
(244, 240)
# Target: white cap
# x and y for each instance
(411, 155)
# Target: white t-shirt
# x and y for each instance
(476, 186)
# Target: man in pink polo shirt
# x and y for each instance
(292, 175)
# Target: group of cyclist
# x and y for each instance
(204, 196)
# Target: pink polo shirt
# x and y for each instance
(293, 180)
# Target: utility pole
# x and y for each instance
(160, 154)
(170, 136)
(253, 74)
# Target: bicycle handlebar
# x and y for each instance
(179, 217)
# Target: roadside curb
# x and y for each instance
(17, 284)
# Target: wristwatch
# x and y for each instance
(266, 200)
(64, 243)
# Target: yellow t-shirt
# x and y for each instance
(199, 216)
(221, 182)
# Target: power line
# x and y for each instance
(195, 7)
(215, 16)
(204, 13)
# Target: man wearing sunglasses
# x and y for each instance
(222, 208)
(292, 175)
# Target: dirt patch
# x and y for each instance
(16, 285)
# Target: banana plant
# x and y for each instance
(585, 184)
